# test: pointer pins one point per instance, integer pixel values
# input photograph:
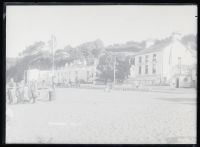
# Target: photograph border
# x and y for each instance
(82, 3)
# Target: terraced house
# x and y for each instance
(70, 72)
(166, 62)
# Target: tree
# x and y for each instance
(33, 49)
(106, 67)
(32, 57)
(98, 48)
(91, 49)
(15, 72)
(122, 68)
(74, 53)
(62, 57)
(43, 60)
(190, 41)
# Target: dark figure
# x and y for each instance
(52, 93)
(108, 86)
(18, 93)
(11, 91)
(77, 82)
(70, 83)
(33, 90)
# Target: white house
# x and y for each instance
(166, 62)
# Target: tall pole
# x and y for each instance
(52, 55)
(180, 65)
(52, 47)
(114, 69)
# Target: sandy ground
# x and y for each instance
(95, 116)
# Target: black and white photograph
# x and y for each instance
(101, 74)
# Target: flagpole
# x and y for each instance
(52, 92)
(114, 69)
(53, 53)
(52, 49)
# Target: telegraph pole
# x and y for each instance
(52, 91)
(114, 69)
(52, 55)
(52, 44)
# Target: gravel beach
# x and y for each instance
(94, 116)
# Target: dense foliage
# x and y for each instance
(107, 63)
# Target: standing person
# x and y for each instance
(52, 93)
(11, 91)
(70, 83)
(108, 85)
(26, 93)
(137, 84)
(22, 90)
(77, 82)
(33, 90)
(29, 91)
(54, 82)
(18, 92)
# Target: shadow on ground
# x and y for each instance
(178, 99)
(179, 139)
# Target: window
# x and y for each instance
(146, 69)
(133, 61)
(154, 57)
(140, 60)
(146, 58)
(170, 58)
(154, 68)
(185, 79)
(140, 69)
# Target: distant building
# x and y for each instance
(78, 70)
(166, 62)
(43, 77)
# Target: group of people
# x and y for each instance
(21, 92)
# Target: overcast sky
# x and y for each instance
(78, 24)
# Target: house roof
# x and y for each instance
(125, 48)
(139, 48)
(158, 46)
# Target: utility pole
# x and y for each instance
(52, 90)
(180, 65)
(52, 49)
(52, 37)
(114, 69)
